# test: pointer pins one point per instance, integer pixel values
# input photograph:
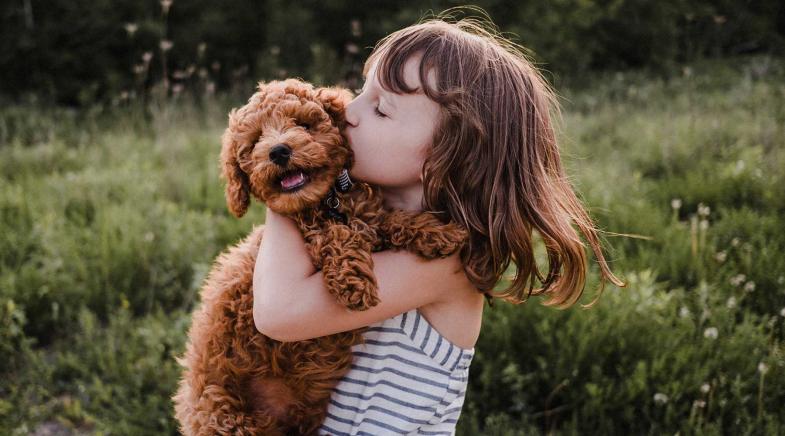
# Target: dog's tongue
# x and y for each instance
(293, 180)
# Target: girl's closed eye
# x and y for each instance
(378, 113)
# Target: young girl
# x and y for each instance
(453, 120)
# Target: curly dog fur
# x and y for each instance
(286, 147)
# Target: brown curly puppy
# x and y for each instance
(286, 148)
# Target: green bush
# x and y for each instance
(646, 359)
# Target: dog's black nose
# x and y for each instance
(280, 153)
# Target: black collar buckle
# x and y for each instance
(332, 202)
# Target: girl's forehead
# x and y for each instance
(411, 73)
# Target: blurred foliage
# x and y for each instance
(77, 51)
(111, 216)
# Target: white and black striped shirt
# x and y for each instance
(406, 379)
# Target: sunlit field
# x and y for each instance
(110, 218)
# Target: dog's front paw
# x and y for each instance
(442, 240)
(422, 233)
(347, 267)
(351, 281)
(356, 293)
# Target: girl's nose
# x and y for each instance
(351, 119)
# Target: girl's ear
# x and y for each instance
(237, 185)
(334, 101)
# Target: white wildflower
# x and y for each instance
(749, 286)
(731, 302)
(355, 26)
(705, 388)
(700, 404)
(711, 333)
(721, 256)
(735, 242)
(131, 28)
(763, 368)
(660, 398)
(147, 56)
(738, 279)
(703, 210)
(704, 224)
(684, 312)
(676, 203)
(166, 45)
(782, 312)
(165, 5)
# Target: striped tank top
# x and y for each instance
(405, 379)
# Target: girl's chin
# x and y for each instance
(357, 175)
(376, 178)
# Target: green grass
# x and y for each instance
(111, 217)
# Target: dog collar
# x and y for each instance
(342, 184)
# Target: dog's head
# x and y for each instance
(286, 146)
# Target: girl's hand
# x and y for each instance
(291, 302)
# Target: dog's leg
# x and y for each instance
(224, 351)
(347, 265)
(321, 363)
(422, 233)
(217, 414)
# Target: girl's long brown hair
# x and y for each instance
(494, 165)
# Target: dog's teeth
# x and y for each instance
(293, 180)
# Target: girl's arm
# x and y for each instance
(291, 302)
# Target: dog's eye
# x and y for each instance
(304, 125)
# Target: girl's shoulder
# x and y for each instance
(459, 317)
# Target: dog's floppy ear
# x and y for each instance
(237, 184)
(334, 101)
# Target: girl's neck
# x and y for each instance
(403, 198)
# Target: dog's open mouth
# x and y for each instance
(293, 180)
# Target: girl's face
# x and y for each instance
(390, 133)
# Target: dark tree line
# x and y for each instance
(77, 51)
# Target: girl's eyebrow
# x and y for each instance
(389, 97)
